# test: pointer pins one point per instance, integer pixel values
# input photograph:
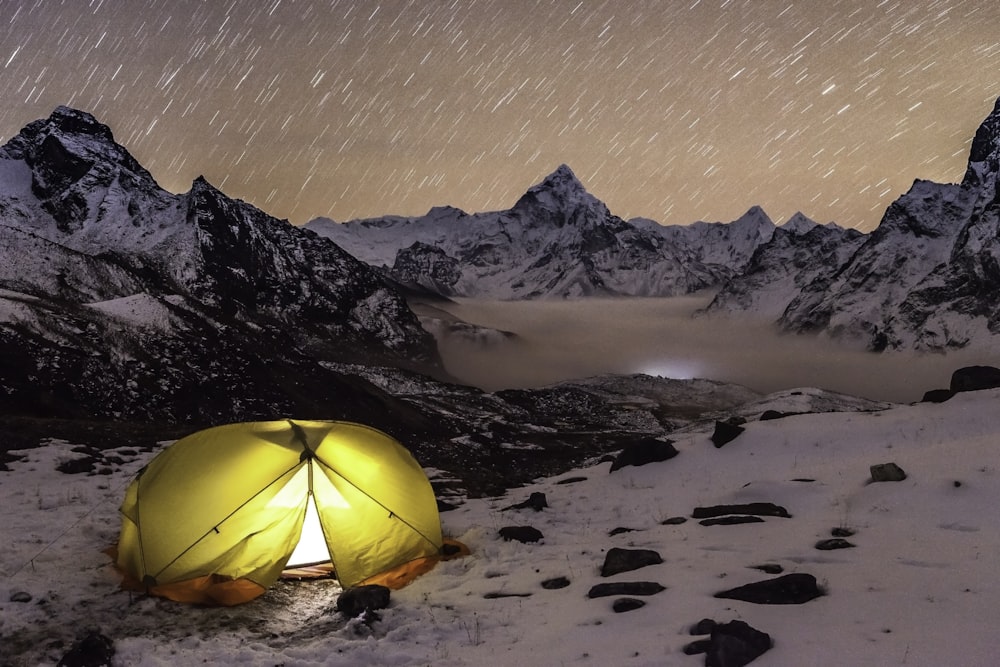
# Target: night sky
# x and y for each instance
(672, 110)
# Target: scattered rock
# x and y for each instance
(622, 605)
(833, 543)
(796, 588)
(625, 588)
(768, 415)
(974, 378)
(725, 432)
(704, 627)
(362, 599)
(732, 644)
(887, 472)
(20, 596)
(445, 507)
(496, 595)
(730, 520)
(572, 480)
(937, 396)
(768, 568)
(555, 583)
(77, 466)
(536, 501)
(625, 560)
(94, 650)
(619, 530)
(523, 534)
(644, 451)
(758, 509)
(674, 521)
(841, 531)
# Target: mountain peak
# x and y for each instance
(984, 155)
(559, 191)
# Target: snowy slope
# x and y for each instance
(919, 587)
(154, 305)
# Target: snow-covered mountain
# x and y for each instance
(120, 299)
(928, 278)
(558, 240)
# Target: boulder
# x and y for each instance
(644, 451)
(757, 509)
(796, 588)
(974, 378)
(523, 534)
(937, 396)
(730, 520)
(834, 543)
(725, 432)
(625, 588)
(555, 583)
(732, 644)
(94, 650)
(619, 560)
(536, 501)
(887, 472)
(362, 599)
(622, 605)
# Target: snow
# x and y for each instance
(919, 588)
(142, 310)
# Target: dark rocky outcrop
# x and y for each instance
(536, 501)
(756, 509)
(622, 605)
(725, 432)
(643, 452)
(796, 588)
(833, 543)
(525, 534)
(362, 599)
(975, 378)
(625, 588)
(555, 583)
(94, 650)
(619, 560)
(887, 472)
(732, 644)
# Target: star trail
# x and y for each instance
(672, 110)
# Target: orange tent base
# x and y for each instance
(217, 590)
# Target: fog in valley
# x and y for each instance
(562, 340)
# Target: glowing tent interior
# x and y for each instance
(216, 517)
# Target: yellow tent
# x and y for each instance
(216, 517)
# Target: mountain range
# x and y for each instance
(557, 241)
(925, 279)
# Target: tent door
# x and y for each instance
(311, 548)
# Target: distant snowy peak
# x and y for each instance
(560, 191)
(799, 224)
(557, 241)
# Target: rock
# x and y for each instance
(768, 415)
(536, 501)
(523, 534)
(833, 543)
(445, 507)
(555, 583)
(496, 595)
(625, 588)
(887, 472)
(769, 568)
(645, 451)
(840, 531)
(937, 396)
(703, 627)
(619, 530)
(758, 509)
(571, 480)
(674, 521)
(622, 605)
(730, 520)
(725, 432)
(620, 560)
(732, 644)
(94, 650)
(361, 599)
(974, 378)
(20, 596)
(796, 588)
